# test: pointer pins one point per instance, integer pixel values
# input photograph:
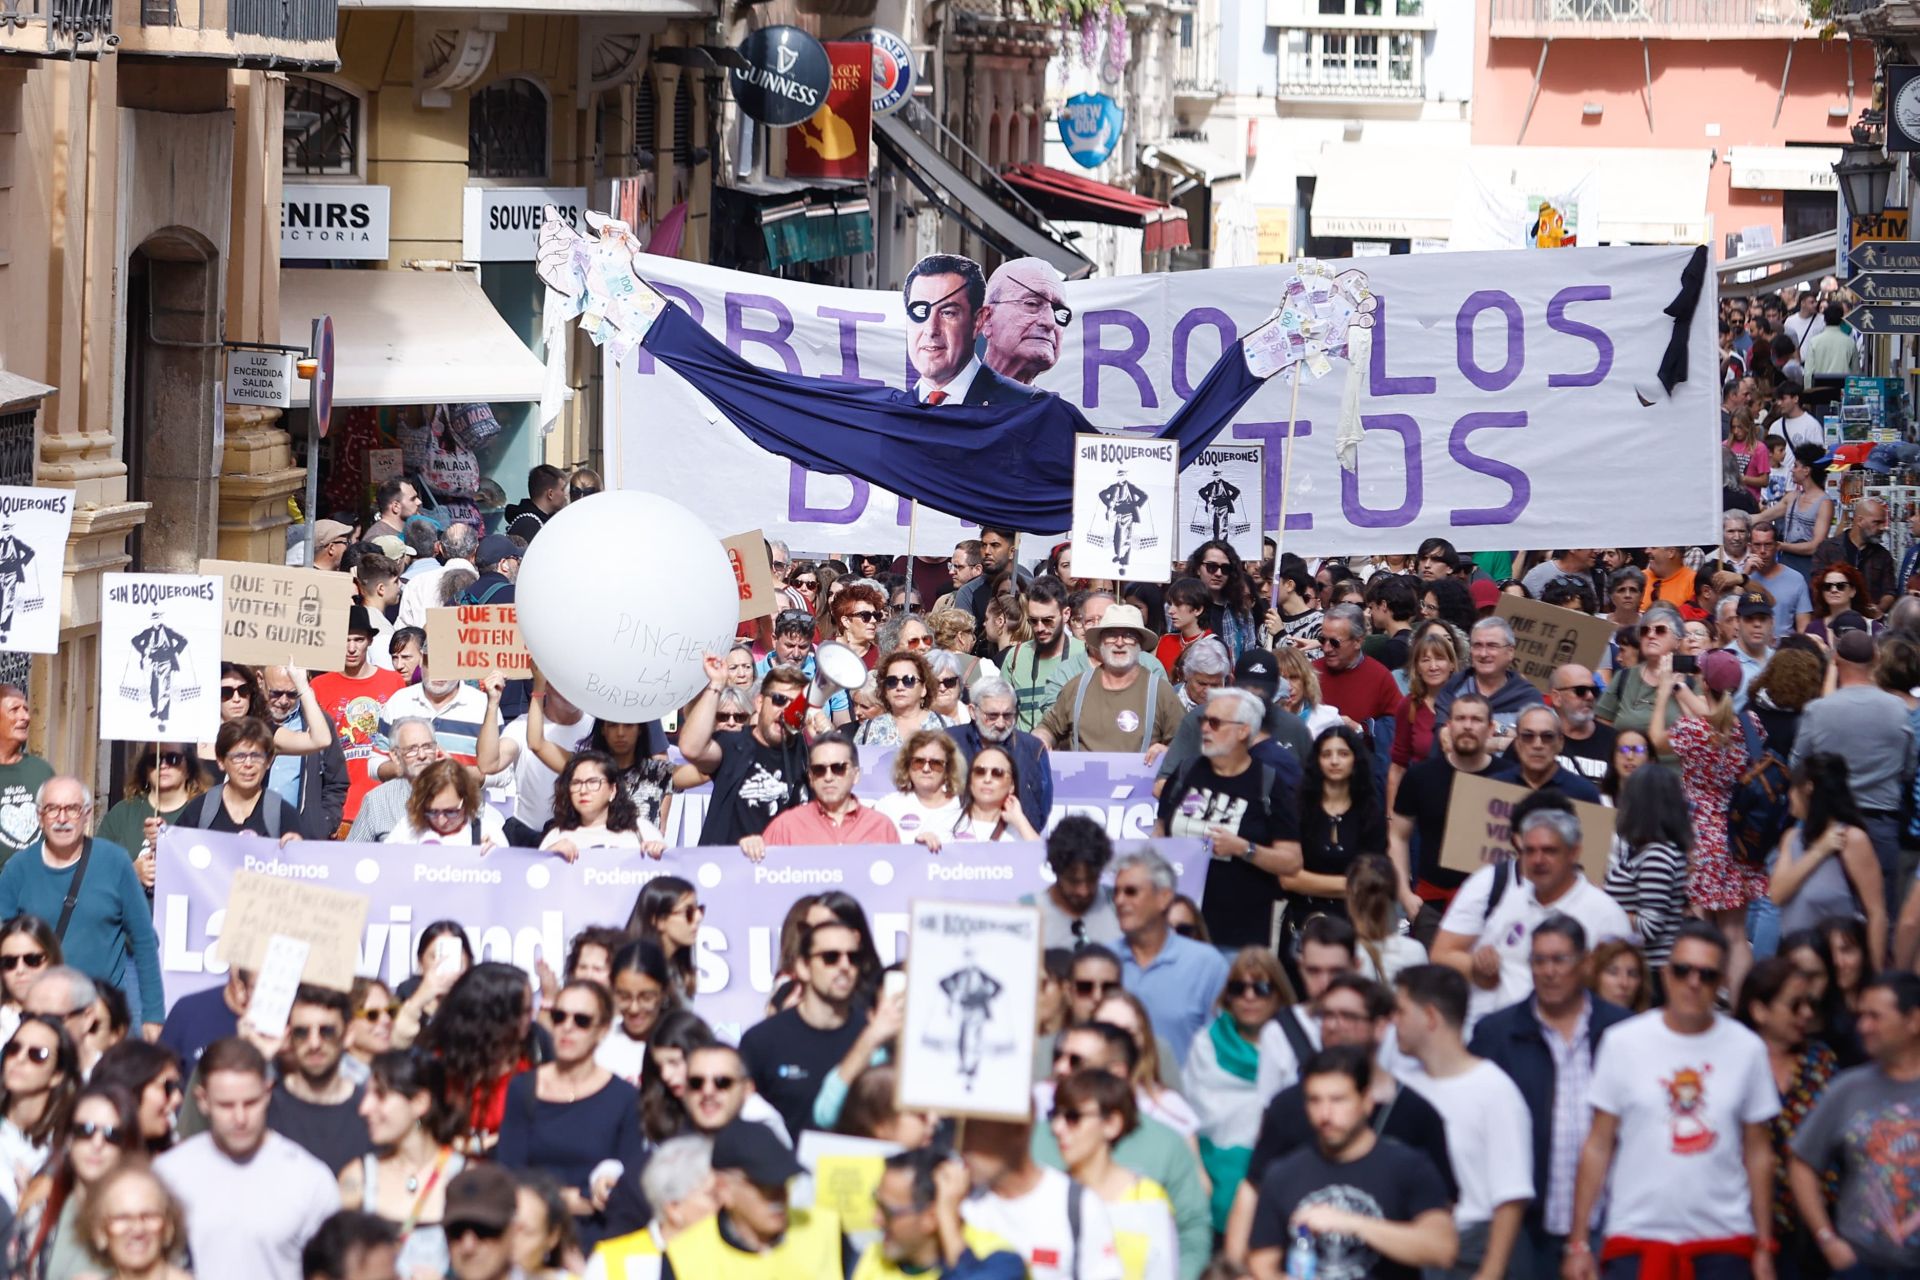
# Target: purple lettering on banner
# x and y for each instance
(1211, 317)
(798, 512)
(1505, 472)
(849, 322)
(1379, 381)
(1560, 322)
(774, 339)
(674, 293)
(1274, 436)
(1358, 513)
(1126, 359)
(1490, 299)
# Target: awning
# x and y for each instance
(1071, 197)
(942, 182)
(1186, 158)
(1784, 168)
(1381, 191)
(1806, 258)
(409, 337)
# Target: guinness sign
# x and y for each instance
(786, 78)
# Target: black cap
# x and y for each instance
(1754, 604)
(751, 1148)
(494, 548)
(483, 1194)
(360, 622)
(1257, 669)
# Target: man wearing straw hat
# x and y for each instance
(1115, 706)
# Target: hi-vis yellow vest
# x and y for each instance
(874, 1264)
(810, 1249)
(630, 1257)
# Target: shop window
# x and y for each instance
(507, 131)
(321, 134)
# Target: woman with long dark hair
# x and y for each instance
(636, 751)
(404, 1178)
(1340, 818)
(241, 695)
(164, 776)
(483, 1035)
(1648, 874)
(663, 1080)
(1854, 966)
(150, 1073)
(1775, 1004)
(643, 992)
(441, 955)
(990, 805)
(39, 1076)
(591, 810)
(28, 947)
(1826, 866)
(1231, 609)
(667, 913)
(45, 1243)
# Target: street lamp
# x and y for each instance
(1864, 173)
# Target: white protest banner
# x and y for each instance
(973, 975)
(33, 551)
(1511, 401)
(160, 657)
(1123, 507)
(1222, 497)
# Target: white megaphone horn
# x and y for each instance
(835, 668)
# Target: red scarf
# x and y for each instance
(1660, 1260)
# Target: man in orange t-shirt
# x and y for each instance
(352, 699)
(1669, 581)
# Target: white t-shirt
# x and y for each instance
(249, 1219)
(1036, 1226)
(1508, 929)
(621, 1054)
(599, 837)
(1681, 1102)
(1489, 1137)
(910, 817)
(492, 825)
(1279, 1066)
(529, 784)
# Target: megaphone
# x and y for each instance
(835, 668)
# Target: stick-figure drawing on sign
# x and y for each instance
(970, 992)
(159, 660)
(1124, 502)
(19, 581)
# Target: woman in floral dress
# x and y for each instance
(1712, 751)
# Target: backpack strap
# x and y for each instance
(1076, 1192)
(1079, 704)
(1502, 877)
(1153, 706)
(73, 889)
(474, 831)
(1296, 1040)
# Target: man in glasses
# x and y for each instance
(1353, 684)
(757, 774)
(1490, 673)
(755, 1231)
(385, 807)
(252, 1198)
(481, 1204)
(964, 567)
(1023, 318)
(1116, 706)
(1792, 601)
(314, 1103)
(945, 294)
(21, 774)
(317, 783)
(87, 889)
(1533, 761)
(1586, 745)
(1682, 1096)
(1030, 664)
(834, 815)
(995, 708)
(790, 1054)
(917, 1208)
(1547, 1045)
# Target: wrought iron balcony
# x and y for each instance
(1350, 66)
(1651, 19)
(57, 28)
(250, 33)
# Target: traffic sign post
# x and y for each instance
(1880, 318)
(319, 412)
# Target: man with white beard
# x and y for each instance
(1586, 745)
(1115, 706)
(995, 706)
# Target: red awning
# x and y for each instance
(1073, 198)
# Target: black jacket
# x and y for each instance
(1514, 1041)
(989, 387)
(524, 520)
(323, 790)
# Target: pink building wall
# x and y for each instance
(1696, 83)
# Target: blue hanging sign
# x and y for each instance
(1090, 125)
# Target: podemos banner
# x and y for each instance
(521, 905)
(1511, 400)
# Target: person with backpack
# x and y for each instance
(1716, 759)
(242, 801)
(1826, 865)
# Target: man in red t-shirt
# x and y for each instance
(1358, 687)
(352, 699)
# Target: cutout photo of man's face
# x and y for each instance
(940, 345)
(1021, 320)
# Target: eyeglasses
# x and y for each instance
(1038, 302)
(82, 1130)
(1330, 642)
(992, 715)
(1070, 1118)
(591, 783)
(920, 311)
(1043, 620)
(732, 717)
(807, 584)
(121, 1223)
(326, 1035)
(1632, 750)
(919, 642)
(1184, 930)
(928, 764)
(446, 815)
(31, 959)
(579, 1018)
(1580, 690)
(864, 615)
(779, 700)
(1215, 723)
(479, 1230)
(1093, 987)
(246, 757)
(834, 959)
(1657, 629)
(228, 692)
(282, 695)
(36, 1053)
(62, 810)
(637, 999)
(838, 768)
(1074, 1061)
(1342, 1015)
(376, 1013)
(949, 682)
(692, 911)
(993, 771)
(1842, 585)
(719, 1084)
(1214, 566)
(1237, 989)
(1538, 735)
(1688, 972)
(901, 682)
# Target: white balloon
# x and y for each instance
(620, 597)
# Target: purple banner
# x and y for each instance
(520, 905)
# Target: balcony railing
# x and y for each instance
(1196, 66)
(57, 28)
(304, 21)
(1650, 19)
(1350, 66)
(252, 33)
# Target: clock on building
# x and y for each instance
(1903, 108)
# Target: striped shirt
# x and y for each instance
(456, 727)
(1650, 884)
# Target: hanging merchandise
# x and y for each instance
(349, 484)
(473, 424)
(435, 454)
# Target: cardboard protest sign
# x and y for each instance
(1477, 827)
(1546, 636)
(34, 524)
(1223, 496)
(276, 616)
(966, 1048)
(470, 641)
(384, 464)
(752, 574)
(1124, 507)
(261, 907)
(159, 657)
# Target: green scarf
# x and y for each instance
(1237, 1058)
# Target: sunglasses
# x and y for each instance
(479, 1230)
(81, 1130)
(864, 615)
(993, 771)
(1842, 585)
(901, 682)
(1657, 629)
(919, 312)
(231, 691)
(719, 1084)
(779, 700)
(1215, 723)
(929, 764)
(282, 695)
(37, 1053)
(171, 759)
(732, 717)
(326, 1035)
(949, 682)
(1187, 930)
(32, 959)
(377, 1013)
(1688, 972)
(834, 959)
(1093, 987)
(1632, 750)
(810, 584)
(1074, 1061)
(1580, 690)
(1237, 989)
(1214, 566)
(1537, 735)
(584, 1021)
(1070, 1118)
(838, 768)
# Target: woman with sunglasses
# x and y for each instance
(1839, 589)
(1092, 1112)
(858, 611)
(1156, 1097)
(1183, 917)
(28, 948)
(668, 913)
(241, 695)
(804, 577)
(133, 1227)
(950, 685)
(1826, 865)
(45, 1242)
(990, 807)
(592, 811)
(404, 1179)
(1230, 611)
(1774, 1003)
(150, 1073)
(1221, 1077)
(571, 1117)
(39, 1076)
(1629, 755)
(446, 806)
(370, 1033)
(925, 801)
(1628, 702)
(906, 693)
(163, 778)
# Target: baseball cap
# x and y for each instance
(1754, 604)
(326, 531)
(1485, 593)
(394, 547)
(1257, 669)
(1844, 621)
(494, 548)
(751, 1148)
(1855, 647)
(484, 1195)
(1720, 671)
(360, 622)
